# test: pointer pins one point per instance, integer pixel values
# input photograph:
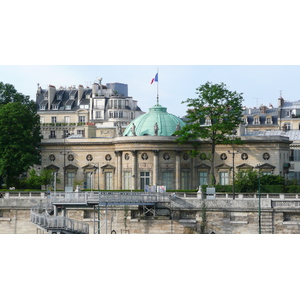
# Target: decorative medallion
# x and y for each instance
(244, 156)
(126, 156)
(89, 157)
(108, 157)
(223, 156)
(185, 156)
(166, 156)
(70, 157)
(144, 156)
(266, 156)
(52, 157)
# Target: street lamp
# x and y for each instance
(233, 152)
(259, 200)
(66, 134)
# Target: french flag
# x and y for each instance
(154, 79)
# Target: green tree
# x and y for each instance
(212, 116)
(19, 133)
(246, 181)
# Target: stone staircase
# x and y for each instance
(267, 223)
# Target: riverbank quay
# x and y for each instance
(172, 214)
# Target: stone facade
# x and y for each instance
(223, 216)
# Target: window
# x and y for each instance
(70, 178)
(224, 178)
(98, 114)
(269, 120)
(80, 132)
(185, 180)
(88, 180)
(108, 180)
(144, 179)
(53, 119)
(203, 178)
(167, 180)
(127, 180)
(256, 120)
(81, 119)
(67, 119)
(52, 134)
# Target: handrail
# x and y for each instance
(109, 197)
(39, 215)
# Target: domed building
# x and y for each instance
(157, 122)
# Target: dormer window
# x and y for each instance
(55, 107)
(256, 120)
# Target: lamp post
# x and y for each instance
(233, 152)
(66, 134)
(259, 204)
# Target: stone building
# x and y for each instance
(104, 154)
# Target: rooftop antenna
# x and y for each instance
(280, 93)
(256, 101)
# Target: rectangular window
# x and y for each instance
(256, 120)
(81, 119)
(203, 178)
(127, 180)
(108, 180)
(144, 179)
(111, 114)
(185, 180)
(88, 180)
(167, 180)
(116, 114)
(70, 178)
(224, 178)
(67, 119)
(80, 132)
(52, 134)
(53, 119)
(98, 114)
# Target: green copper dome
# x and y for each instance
(156, 122)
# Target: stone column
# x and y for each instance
(155, 167)
(119, 169)
(177, 170)
(134, 169)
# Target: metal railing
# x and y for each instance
(109, 197)
(39, 215)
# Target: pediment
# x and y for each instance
(202, 166)
(108, 167)
(223, 166)
(266, 166)
(244, 167)
(71, 167)
(52, 167)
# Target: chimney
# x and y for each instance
(95, 89)
(51, 95)
(80, 93)
(280, 102)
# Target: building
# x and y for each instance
(104, 154)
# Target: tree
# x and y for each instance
(19, 133)
(212, 116)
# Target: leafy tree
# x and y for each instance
(212, 116)
(19, 133)
(36, 180)
(246, 181)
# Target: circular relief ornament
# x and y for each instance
(52, 157)
(89, 157)
(266, 156)
(185, 156)
(126, 156)
(244, 156)
(144, 156)
(166, 156)
(223, 156)
(108, 157)
(70, 157)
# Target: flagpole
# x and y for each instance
(157, 89)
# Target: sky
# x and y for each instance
(260, 84)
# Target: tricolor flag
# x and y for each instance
(154, 79)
